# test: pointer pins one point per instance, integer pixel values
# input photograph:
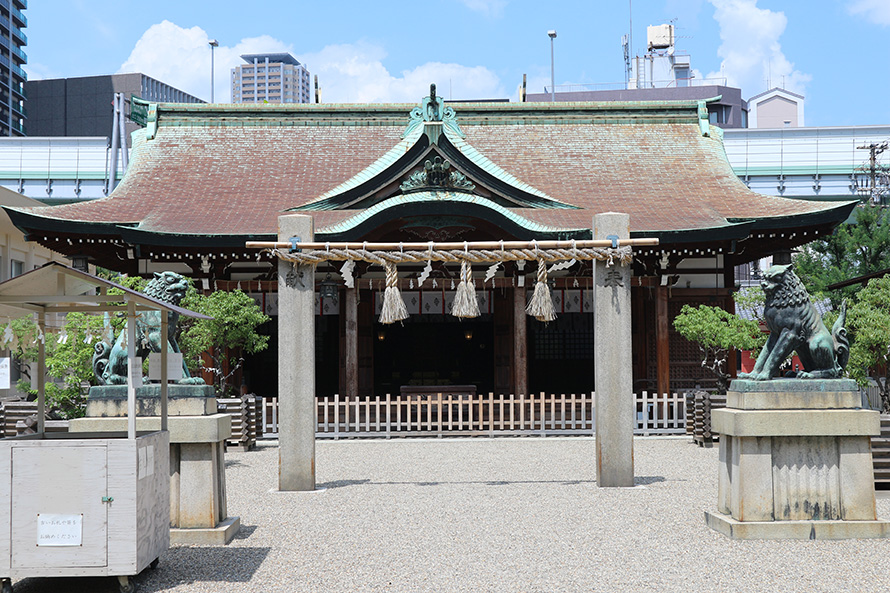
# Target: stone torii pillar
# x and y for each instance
(613, 374)
(296, 362)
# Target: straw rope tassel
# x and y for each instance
(541, 306)
(465, 304)
(394, 308)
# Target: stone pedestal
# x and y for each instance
(198, 513)
(182, 400)
(795, 462)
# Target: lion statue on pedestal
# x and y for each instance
(795, 326)
(110, 362)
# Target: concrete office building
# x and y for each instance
(12, 58)
(270, 78)
(83, 106)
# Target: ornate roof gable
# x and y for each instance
(435, 159)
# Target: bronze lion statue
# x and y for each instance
(110, 362)
(795, 326)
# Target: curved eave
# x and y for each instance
(392, 158)
(410, 152)
(469, 152)
(436, 203)
(28, 223)
(137, 236)
(31, 224)
(830, 216)
(732, 231)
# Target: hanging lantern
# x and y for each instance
(328, 288)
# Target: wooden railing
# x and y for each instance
(444, 414)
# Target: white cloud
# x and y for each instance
(490, 8)
(877, 11)
(181, 58)
(751, 52)
(352, 73)
(38, 71)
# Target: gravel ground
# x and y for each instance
(505, 515)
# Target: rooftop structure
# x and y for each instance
(818, 163)
(82, 106)
(776, 108)
(662, 74)
(270, 78)
(57, 169)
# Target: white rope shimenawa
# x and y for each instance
(465, 303)
(622, 255)
(394, 308)
(541, 305)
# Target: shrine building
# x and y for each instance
(204, 179)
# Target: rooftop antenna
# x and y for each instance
(630, 14)
(624, 46)
(627, 41)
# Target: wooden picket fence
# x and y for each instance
(444, 414)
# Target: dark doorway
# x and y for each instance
(434, 350)
(560, 354)
(260, 370)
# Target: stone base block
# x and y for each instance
(766, 423)
(182, 400)
(220, 535)
(183, 429)
(797, 529)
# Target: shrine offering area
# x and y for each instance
(511, 514)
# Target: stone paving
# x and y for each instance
(506, 514)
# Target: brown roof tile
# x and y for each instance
(236, 179)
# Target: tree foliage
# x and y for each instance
(868, 321)
(224, 339)
(855, 249)
(69, 354)
(716, 332)
(69, 351)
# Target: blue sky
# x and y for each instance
(832, 51)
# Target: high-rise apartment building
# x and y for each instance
(12, 58)
(270, 78)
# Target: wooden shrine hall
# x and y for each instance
(205, 179)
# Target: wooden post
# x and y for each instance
(132, 371)
(662, 342)
(350, 362)
(41, 372)
(613, 377)
(520, 348)
(296, 363)
(164, 367)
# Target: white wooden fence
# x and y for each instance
(477, 415)
(871, 397)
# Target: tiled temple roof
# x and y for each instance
(216, 171)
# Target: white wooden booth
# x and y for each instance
(83, 504)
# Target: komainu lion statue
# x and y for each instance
(795, 325)
(110, 362)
